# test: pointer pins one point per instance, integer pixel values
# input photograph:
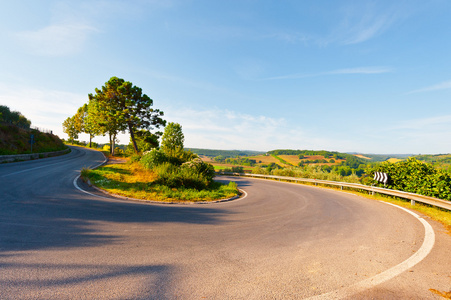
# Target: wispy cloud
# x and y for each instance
(347, 71)
(56, 39)
(437, 122)
(436, 87)
(364, 21)
(227, 129)
(45, 108)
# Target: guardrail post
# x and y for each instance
(341, 187)
(412, 202)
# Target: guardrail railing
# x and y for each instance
(373, 189)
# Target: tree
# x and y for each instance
(70, 128)
(104, 110)
(173, 138)
(13, 117)
(85, 123)
(120, 106)
(145, 140)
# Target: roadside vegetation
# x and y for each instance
(169, 174)
(410, 174)
(165, 172)
(17, 136)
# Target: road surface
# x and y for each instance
(282, 241)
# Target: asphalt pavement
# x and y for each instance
(282, 241)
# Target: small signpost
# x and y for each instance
(32, 142)
(381, 177)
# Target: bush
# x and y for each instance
(198, 166)
(413, 176)
(153, 158)
(174, 177)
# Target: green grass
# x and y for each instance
(133, 181)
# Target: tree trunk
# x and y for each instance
(114, 145)
(111, 144)
(132, 135)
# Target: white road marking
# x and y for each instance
(35, 168)
(425, 249)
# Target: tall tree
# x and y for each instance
(108, 117)
(85, 123)
(173, 138)
(70, 128)
(120, 105)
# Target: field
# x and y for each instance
(280, 160)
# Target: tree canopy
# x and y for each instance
(13, 117)
(173, 138)
(120, 106)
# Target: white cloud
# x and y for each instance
(46, 109)
(363, 21)
(362, 70)
(440, 86)
(348, 71)
(56, 39)
(226, 129)
(436, 123)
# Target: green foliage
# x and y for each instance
(153, 158)
(13, 118)
(71, 129)
(178, 169)
(207, 171)
(15, 140)
(242, 161)
(186, 176)
(281, 160)
(120, 106)
(173, 138)
(145, 140)
(413, 176)
(234, 169)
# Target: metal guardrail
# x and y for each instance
(410, 196)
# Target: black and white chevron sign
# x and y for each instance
(381, 177)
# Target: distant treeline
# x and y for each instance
(442, 161)
(224, 153)
(302, 153)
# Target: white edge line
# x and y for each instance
(425, 249)
(86, 192)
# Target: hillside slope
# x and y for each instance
(15, 140)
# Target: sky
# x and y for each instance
(348, 76)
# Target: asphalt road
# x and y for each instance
(282, 241)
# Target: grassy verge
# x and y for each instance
(133, 181)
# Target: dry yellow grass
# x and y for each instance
(265, 159)
(393, 160)
(137, 174)
(361, 156)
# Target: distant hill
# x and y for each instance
(16, 140)
(381, 157)
(224, 153)
(442, 161)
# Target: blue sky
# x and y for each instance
(360, 76)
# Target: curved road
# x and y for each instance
(283, 241)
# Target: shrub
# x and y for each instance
(153, 158)
(173, 176)
(207, 171)
(413, 176)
